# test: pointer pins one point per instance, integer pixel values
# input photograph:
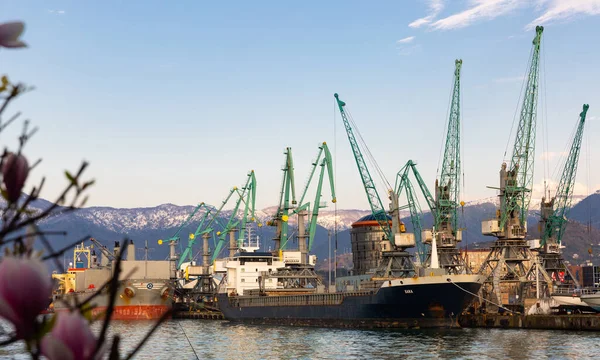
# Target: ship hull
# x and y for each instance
(592, 301)
(142, 302)
(394, 305)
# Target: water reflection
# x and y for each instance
(184, 339)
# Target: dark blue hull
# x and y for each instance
(423, 305)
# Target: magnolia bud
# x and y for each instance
(14, 173)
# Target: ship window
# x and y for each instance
(243, 269)
(243, 280)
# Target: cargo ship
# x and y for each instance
(145, 290)
(260, 288)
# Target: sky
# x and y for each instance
(175, 101)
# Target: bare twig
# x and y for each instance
(13, 225)
(114, 285)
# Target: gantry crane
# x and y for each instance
(554, 213)
(395, 260)
(507, 265)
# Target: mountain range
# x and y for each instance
(153, 223)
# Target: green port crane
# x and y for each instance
(517, 181)
(395, 260)
(444, 205)
(555, 224)
(511, 265)
(447, 189)
(554, 215)
(403, 184)
(282, 214)
(210, 213)
(375, 203)
(211, 216)
(288, 206)
(175, 239)
(246, 195)
(303, 207)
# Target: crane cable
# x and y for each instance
(366, 149)
(525, 80)
(335, 223)
(545, 138)
(445, 130)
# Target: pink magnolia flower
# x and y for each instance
(15, 170)
(10, 33)
(25, 289)
(70, 339)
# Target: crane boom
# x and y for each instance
(448, 188)
(326, 163)
(103, 249)
(517, 194)
(375, 203)
(555, 225)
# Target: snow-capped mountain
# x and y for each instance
(160, 222)
(166, 216)
(170, 216)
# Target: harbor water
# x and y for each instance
(223, 340)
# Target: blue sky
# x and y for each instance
(176, 101)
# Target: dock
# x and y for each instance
(585, 322)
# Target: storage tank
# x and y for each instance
(366, 239)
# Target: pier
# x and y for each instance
(587, 322)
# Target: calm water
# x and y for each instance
(222, 340)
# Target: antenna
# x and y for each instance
(145, 250)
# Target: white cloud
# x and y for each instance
(478, 10)
(435, 7)
(57, 12)
(564, 10)
(580, 190)
(510, 79)
(406, 40)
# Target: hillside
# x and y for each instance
(150, 224)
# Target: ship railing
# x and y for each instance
(296, 300)
(574, 291)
